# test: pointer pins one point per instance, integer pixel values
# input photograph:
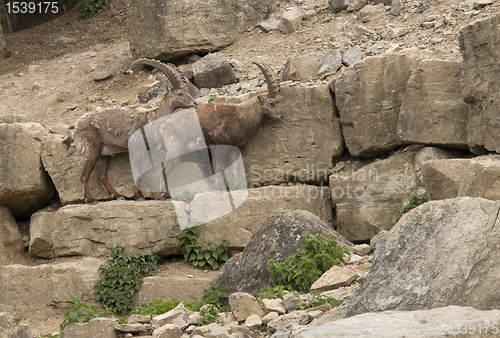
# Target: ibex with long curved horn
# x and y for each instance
(224, 123)
(105, 132)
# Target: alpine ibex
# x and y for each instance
(105, 132)
(223, 123)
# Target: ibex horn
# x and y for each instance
(273, 86)
(170, 71)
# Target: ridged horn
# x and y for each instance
(273, 85)
(170, 71)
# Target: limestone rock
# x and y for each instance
(288, 321)
(274, 305)
(167, 331)
(372, 12)
(290, 20)
(10, 328)
(481, 83)
(404, 324)
(133, 328)
(141, 227)
(253, 322)
(277, 238)
(396, 7)
(450, 178)
(158, 29)
(11, 242)
(432, 111)
(27, 290)
(335, 277)
(141, 319)
(353, 55)
(213, 71)
(243, 305)
(302, 68)
(338, 5)
(174, 315)
(332, 60)
(24, 185)
(240, 225)
(362, 249)
(96, 328)
(65, 167)
(368, 110)
(270, 316)
(292, 301)
(462, 232)
(365, 199)
(211, 331)
(303, 144)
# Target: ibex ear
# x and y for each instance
(261, 99)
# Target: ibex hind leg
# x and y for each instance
(89, 165)
(102, 169)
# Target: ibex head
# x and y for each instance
(271, 105)
(178, 95)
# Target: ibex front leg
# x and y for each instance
(102, 169)
(89, 165)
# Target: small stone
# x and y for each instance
(338, 5)
(334, 278)
(353, 55)
(270, 316)
(396, 7)
(290, 21)
(315, 314)
(428, 25)
(101, 75)
(167, 331)
(274, 305)
(253, 322)
(356, 5)
(481, 3)
(118, 53)
(133, 328)
(269, 25)
(292, 301)
(243, 305)
(362, 249)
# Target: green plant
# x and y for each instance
(186, 197)
(318, 300)
(360, 280)
(121, 277)
(92, 7)
(79, 312)
(156, 307)
(413, 202)
(211, 98)
(3, 18)
(56, 335)
(271, 292)
(303, 268)
(208, 314)
(202, 256)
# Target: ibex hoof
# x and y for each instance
(91, 202)
(140, 199)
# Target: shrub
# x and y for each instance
(303, 268)
(202, 256)
(413, 202)
(92, 7)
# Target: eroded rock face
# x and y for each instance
(11, 242)
(478, 44)
(10, 328)
(300, 147)
(24, 185)
(463, 233)
(157, 29)
(141, 227)
(277, 238)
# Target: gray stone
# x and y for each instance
(481, 84)
(10, 328)
(133, 328)
(291, 20)
(331, 62)
(432, 110)
(213, 71)
(356, 5)
(432, 323)
(462, 232)
(369, 109)
(101, 75)
(372, 12)
(277, 238)
(338, 5)
(288, 321)
(450, 178)
(292, 301)
(141, 319)
(274, 305)
(253, 322)
(303, 144)
(170, 317)
(302, 68)
(141, 227)
(396, 7)
(167, 331)
(244, 305)
(334, 278)
(158, 29)
(240, 224)
(353, 55)
(269, 25)
(24, 185)
(362, 249)
(37, 292)
(11, 242)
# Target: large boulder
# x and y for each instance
(301, 147)
(464, 322)
(11, 242)
(141, 227)
(474, 177)
(38, 292)
(365, 199)
(369, 96)
(65, 167)
(213, 71)
(24, 185)
(277, 238)
(481, 67)
(439, 254)
(167, 29)
(432, 111)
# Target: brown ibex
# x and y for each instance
(223, 123)
(105, 132)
